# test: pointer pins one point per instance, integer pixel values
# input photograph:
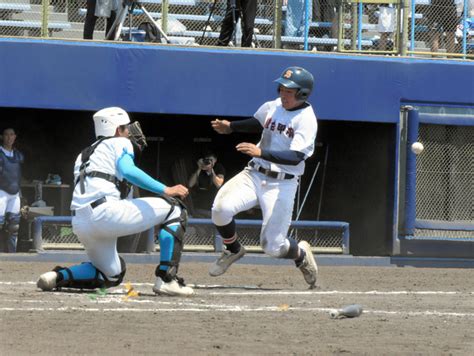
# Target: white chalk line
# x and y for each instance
(15, 283)
(374, 292)
(118, 296)
(123, 300)
(232, 308)
(255, 290)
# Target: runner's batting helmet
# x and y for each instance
(297, 78)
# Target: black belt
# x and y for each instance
(93, 205)
(269, 173)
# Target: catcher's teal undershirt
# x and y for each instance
(136, 176)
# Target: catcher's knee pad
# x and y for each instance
(12, 223)
(87, 276)
(114, 281)
(171, 238)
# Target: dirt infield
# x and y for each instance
(251, 310)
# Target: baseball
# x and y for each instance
(417, 148)
(333, 313)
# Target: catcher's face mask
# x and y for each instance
(136, 135)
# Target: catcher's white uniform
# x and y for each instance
(103, 172)
(282, 130)
(99, 227)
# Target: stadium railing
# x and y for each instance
(55, 232)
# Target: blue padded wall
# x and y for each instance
(206, 81)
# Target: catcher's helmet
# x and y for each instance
(297, 78)
(107, 120)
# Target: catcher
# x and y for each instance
(103, 210)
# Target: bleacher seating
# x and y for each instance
(18, 19)
(187, 15)
(54, 26)
(32, 28)
(67, 21)
(171, 2)
(8, 8)
(186, 18)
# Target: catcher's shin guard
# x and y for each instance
(171, 238)
(87, 276)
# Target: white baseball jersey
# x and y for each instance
(104, 159)
(286, 130)
(282, 130)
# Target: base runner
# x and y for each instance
(288, 126)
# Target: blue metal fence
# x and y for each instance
(441, 203)
(341, 227)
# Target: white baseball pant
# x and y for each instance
(9, 203)
(99, 228)
(276, 198)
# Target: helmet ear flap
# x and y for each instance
(302, 94)
(299, 94)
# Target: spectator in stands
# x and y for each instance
(386, 26)
(442, 17)
(469, 20)
(244, 9)
(204, 184)
(325, 11)
(296, 17)
(10, 176)
(106, 9)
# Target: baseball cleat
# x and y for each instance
(47, 281)
(174, 288)
(223, 263)
(308, 267)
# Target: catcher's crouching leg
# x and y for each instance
(171, 238)
(83, 276)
